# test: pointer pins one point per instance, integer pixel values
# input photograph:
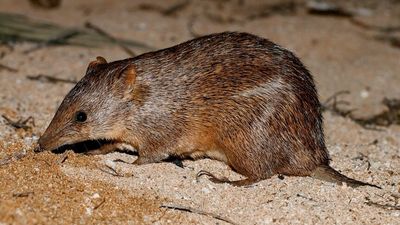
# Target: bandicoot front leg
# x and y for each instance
(219, 180)
(104, 149)
(150, 158)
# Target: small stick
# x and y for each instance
(6, 160)
(60, 39)
(113, 172)
(392, 40)
(305, 197)
(50, 79)
(22, 194)
(4, 67)
(383, 206)
(109, 37)
(20, 124)
(19, 155)
(335, 95)
(192, 210)
(167, 11)
(121, 161)
(62, 159)
(100, 204)
(16, 156)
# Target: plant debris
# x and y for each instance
(10, 69)
(23, 194)
(169, 11)
(386, 118)
(305, 197)
(9, 158)
(57, 40)
(20, 28)
(382, 206)
(100, 204)
(331, 104)
(392, 40)
(6, 160)
(62, 159)
(197, 211)
(109, 37)
(50, 79)
(20, 124)
(114, 172)
(239, 12)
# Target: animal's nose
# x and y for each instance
(38, 149)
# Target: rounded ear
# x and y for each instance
(126, 80)
(128, 77)
(93, 64)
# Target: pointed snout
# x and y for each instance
(40, 146)
(38, 149)
(43, 143)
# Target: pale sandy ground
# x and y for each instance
(339, 54)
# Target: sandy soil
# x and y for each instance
(70, 188)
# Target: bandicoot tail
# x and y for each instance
(327, 173)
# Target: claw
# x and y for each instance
(212, 178)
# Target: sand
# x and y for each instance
(72, 188)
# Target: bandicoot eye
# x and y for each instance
(80, 116)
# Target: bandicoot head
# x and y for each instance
(87, 111)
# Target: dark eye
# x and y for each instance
(80, 116)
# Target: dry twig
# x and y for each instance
(165, 11)
(10, 69)
(100, 204)
(109, 37)
(6, 160)
(197, 211)
(16, 156)
(50, 79)
(382, 206)
(113, 172)
(62, 159)
(60, 39)
(305, 197)
(23, 194)
(331, 104)
(20, 123)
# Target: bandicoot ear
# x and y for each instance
(128, 79)
(93, 64)
(129, 75)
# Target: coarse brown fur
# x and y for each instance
(234, 97)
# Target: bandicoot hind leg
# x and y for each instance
(219, 180)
